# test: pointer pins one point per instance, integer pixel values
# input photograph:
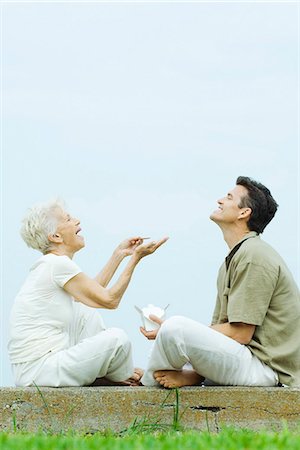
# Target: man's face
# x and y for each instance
(228, 210)
(68, 229)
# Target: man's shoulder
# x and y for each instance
(258, 244)
(257, 251)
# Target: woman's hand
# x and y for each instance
(127, 247)
(149, 248)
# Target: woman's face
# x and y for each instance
(68, 230)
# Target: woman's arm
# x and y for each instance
(91, 293)
(124, 249)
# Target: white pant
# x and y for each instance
(212, 354)
(93, 352)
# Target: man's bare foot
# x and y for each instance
(177, 378)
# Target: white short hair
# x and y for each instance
(40, 221)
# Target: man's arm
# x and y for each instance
(240, 332)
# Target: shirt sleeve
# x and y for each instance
(63, 270)
(250, 294)
(216, 312)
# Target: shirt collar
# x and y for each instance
(233, 251)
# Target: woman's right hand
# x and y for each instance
(128, 246)
(149, 248)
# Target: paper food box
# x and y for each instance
(146, 311)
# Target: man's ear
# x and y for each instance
(55, 238)
(245, 213)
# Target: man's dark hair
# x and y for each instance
(261, 202)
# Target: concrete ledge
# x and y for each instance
(91, 409)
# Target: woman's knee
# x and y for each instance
(119, 338)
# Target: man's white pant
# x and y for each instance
(93, 352)
(213, 355)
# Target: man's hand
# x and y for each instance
(151, 335)
(147, 249)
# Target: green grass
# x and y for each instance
(228, 439)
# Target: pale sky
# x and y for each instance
(141, 115)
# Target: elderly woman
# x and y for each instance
(57, 336)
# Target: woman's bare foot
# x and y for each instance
(177, 378)
(134, 380)
(106, 382)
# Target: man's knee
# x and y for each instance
(172, 326)
(182, 326)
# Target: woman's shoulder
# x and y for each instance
(50, 260)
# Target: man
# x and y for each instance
(255, 332)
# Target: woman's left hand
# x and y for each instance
(149, 248)
(127, 247)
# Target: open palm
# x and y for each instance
(128, 246)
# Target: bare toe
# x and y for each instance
(139, 371)
(158, 373)
(137, 374)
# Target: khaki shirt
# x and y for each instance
(257, 288)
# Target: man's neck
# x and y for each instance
(233, 236)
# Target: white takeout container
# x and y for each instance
(145, 312)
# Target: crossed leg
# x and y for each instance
(212, 355)
(134, 380)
